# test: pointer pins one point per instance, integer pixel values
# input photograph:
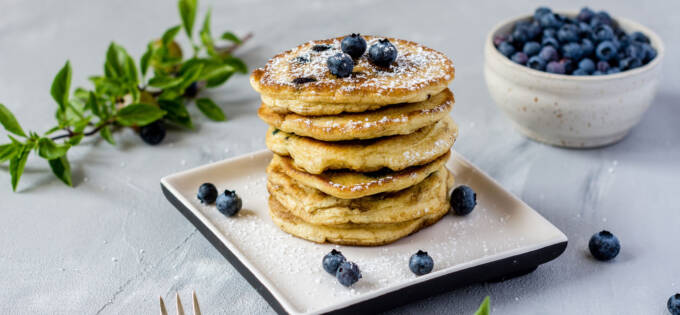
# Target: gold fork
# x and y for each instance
(180, 309)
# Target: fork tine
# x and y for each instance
(163, 310)
(197, 310)
(180, 310)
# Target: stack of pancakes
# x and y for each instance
(358, 160)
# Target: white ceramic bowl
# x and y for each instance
(571, 111)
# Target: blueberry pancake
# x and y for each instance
(350, 185)
(300, 81)
(394, 120)
(315, 207)
(394, 152)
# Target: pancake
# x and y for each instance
(351, 185)
(315, 207)
(350, 234)
(301, 74)
(394, 120)
(395, 152)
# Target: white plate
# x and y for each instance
(502, 237)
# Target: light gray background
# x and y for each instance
(114, 244)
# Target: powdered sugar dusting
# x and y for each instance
(415, 68)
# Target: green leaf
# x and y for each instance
(62, 169)
(187, 10)
(210, 109)
(206, 37)
(10, 123)
(238, 64)
(93, 104)
(52, 130)
(75, 140)
(17, 164)
(61, 85)
(164, 82)
(105, 132)
(191, 75)
(139, 114)
(119, 65)
(231, 37)
(144, 61)
(8, 151)
(170, 34)
(131, 71)
(49, 150)
(176, 113)
(484, 307)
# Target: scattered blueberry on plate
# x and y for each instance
(340, 64)
(674, 304)
(463, 200)
(332, 261)
(207, 193)
(229, 203)
(604, 246)
(420, 263)
(383, 53)
(353, 45)
(558, 44)
(348, 273)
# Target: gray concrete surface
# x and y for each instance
(113, 244)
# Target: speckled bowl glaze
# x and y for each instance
(571, 111)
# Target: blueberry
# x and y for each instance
(605, 51)
(540, 11)
(153, 133)
(534, 30)
(332, 261)
(603, 32)
(420, 263)
(625, 41)
(604, 245)
(348, 273)
(587, 65)
(229, 203)
(549, 32)
(584, 30)
(613, 70)
(572, 51)
(531, 48)
(639, 37)
(382, 53)
(602, 66)
(649, 53)
(520, 35)
(536, 63)
(630, 63)
(550, 41)
(568, 33)
(548, 53)
(587, 47)
(604, 18)
(520, 58)
(353, 45)
(674, 304)
(498, 39)
(585, 14)
(340, 64)
(569, 65)
(191, 90)
(207, 193)
(303, 80)
(506, 49)
(597, 72)
(580, 71)
(555, 67)
(463, 198)
(321, 47)
(550, 20)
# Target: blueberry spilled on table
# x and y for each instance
(348, 273)
(420, 263)
(604, 246)
(153, 133)
(559, 44)
(673, 304)
(332, 261)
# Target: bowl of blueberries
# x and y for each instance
(575, 80)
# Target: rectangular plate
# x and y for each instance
(503, 237)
